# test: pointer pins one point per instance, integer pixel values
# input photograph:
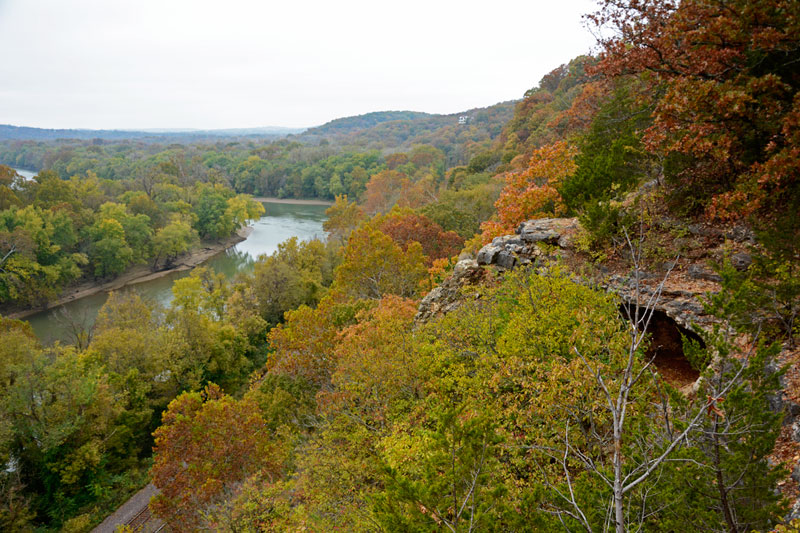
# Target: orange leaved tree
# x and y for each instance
(727, 111)
(375, 265)
(533, 193)
(405, 226)
(375, 364)
(206, 444)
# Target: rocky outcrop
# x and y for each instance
(682, 306)
(509, 251)
(701, 272)
(676, 288)
(503, 253)
(446, 296)
(537, 241)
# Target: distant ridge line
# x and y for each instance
(339, 126)
(9, 132)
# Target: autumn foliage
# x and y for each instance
(349, 410)
(405, 226)
(303, 345)
(533, 193)
(374, 362)
(375, 265)
(207, 442)
(383, 191)
(343, 217)
(391, 187)
(729, 106)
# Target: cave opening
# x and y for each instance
(666, 349)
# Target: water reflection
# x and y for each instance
(26, 174)
(280, 222)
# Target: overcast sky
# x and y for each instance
(238, 63)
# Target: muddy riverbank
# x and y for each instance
(140, 274)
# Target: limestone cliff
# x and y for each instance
(677, 287)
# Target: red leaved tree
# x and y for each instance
(405, 226)
(725, 76)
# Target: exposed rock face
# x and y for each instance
(683, 306)
(680, 298)
(701, 272)
(795, 512)
(741, 261)
(524, 248)
(509, 251)
(503, 253)
(739, 234)
(445, 297)
(547, 230)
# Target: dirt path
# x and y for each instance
(134, 513)
(141, 273)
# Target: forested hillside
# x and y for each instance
(22, 133)
(169, 198)
(336, 158)
(363, 122)
(581, 315)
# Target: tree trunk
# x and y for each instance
(723, 492)
(619, 517)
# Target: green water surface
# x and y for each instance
(279, 223)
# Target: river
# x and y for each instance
(279, 223)
(27, 174)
